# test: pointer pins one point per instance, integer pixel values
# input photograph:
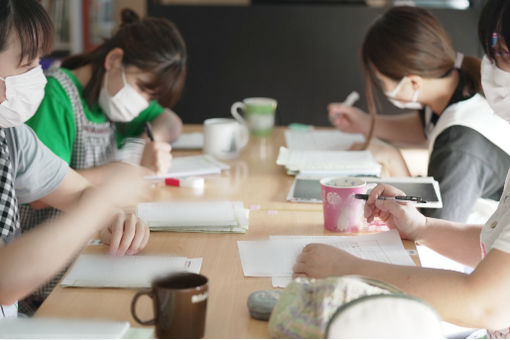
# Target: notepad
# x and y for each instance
(49, 328)
(328, 163)
(100, 271)
(276, 257)
(201, 216)
(193, 166)
(189, 141)
(321, 140)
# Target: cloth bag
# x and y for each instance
(350, 307)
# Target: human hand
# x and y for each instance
(322, 260)
(348, 118)
(157, 157)
(126, 235)
(401, 216)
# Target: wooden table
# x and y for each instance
(256, 180)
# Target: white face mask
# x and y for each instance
(125, 106)
(24, 93)
(412, 105)
(496, 86)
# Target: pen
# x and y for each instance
(404, 199)
(349, 101)
(148, 131)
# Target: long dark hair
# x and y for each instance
(495, 18)
(410, 40)
(31, 23)
(153, 45)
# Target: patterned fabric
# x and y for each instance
(9, 217)
(95, 145)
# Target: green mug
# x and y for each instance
(258, 114)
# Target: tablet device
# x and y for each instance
(308, 189)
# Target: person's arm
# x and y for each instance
(478, 300)
(38, 255)
(404, 128)
(167, 126)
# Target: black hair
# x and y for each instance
(31, 23)
(495, 18)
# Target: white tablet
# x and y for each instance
(308, 189)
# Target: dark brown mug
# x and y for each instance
(180, 302)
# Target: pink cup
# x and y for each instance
(342, 212)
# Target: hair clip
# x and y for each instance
(494, 39)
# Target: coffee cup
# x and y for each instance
(259, 114)
(224, 138)
(179, 302)
(342, 211)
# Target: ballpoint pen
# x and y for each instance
(148, 131)
(403, 199)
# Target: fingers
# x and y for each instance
(117, 229)
(159, 158)
(140, 238)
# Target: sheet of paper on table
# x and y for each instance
(189, 141)
(276, 257)
(98, 271)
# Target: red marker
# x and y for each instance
(193, 182)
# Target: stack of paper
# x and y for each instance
(328, 163)
(125, 271)
(276, 257)
(189, 141)
(203, 216)
(43, 328)
(193, 166)
(321, 140)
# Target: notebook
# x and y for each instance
(201, 216)
(189, 141)
(308, 189)
(321, 140)
(328, 163)
(46, 328)
(193, 166)
(101, 271)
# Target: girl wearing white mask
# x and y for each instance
(409, 57)
(96, 100)
(477, 300)
(31, 173)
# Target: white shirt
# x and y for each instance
(496, 235)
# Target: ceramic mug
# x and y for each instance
(343, 212)
(258, 114)
(180, 302)
(224, 138)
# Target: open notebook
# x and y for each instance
(328, 163)
(193, 166)
(201, 216)
(43, 328)
(99, 271)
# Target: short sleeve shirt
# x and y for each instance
(54, 122)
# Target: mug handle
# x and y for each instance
(233, 110)
(147, 292)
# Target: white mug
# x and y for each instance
(224, 137)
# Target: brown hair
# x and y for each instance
(495, 18)
(31, 23)
(153, 45)
(410, 41)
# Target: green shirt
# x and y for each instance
(54, 121)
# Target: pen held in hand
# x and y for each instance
(148, 131)
(349, 101)
(403, 199)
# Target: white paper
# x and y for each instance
(45, 328)
(321, 140)
(325, 163)
(122, 272)
(202, 216)
(193, 166)
(189, 141)
(276, 257)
